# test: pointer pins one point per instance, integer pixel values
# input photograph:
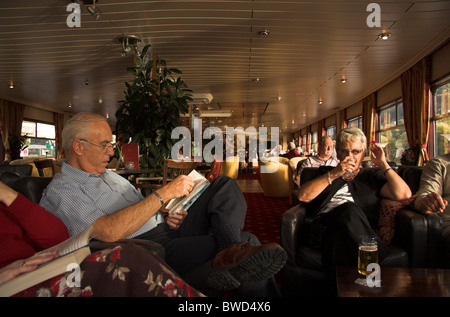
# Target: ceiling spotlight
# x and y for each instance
(11, 85)
(384, 36)
(343, 80)
(320, 101)
(128, 43)
(264, 33)
(94, 11)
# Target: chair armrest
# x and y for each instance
(291, 225)
(411, 233)
(435, 258)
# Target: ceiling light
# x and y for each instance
(94, 11)
(384, 36)
(343, 80)
(11, 85)
(215, 114)
(320, 101)
(128, 43)
(264, 33)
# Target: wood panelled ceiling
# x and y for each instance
(272, 81)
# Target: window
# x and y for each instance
(391, 130)
(331, 131)
(441, 118)
(355, 122)
(314, 142)
(41, 139)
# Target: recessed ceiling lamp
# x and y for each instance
(343, 80)
(128, 43)
(320, 101)
(264, 33)
(94, 11)
(384, 35)
(11, 84)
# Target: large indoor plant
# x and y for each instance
(151, 108)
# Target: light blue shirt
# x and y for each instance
(79, 198)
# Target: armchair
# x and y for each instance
(303, 274)
(276, 182)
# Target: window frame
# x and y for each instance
(53, 141)
(434, 118)
(358, 119)
(394, 103)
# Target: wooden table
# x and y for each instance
(396, 282)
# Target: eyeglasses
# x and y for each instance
(345, 152)
(104, 147)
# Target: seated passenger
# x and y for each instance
(348, 209)
(85, 193)
(323, 158)
(292, 151)
(434, 194)
(27, 228)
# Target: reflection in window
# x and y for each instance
(355, 122)
(41, 139)
(441, 120)
(391, 130)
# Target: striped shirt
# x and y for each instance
(79, 198)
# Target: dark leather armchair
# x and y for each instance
(22, 169)
(303, 274)
(411, 175)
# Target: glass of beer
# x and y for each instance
(367, 253)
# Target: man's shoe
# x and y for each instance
(243, 262)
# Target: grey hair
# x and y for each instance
(323, 139)
(351, 134)
(77, 127)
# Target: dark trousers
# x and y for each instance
(194, 242)
(345, 225)
(191, 248)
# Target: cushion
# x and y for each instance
(386, 221)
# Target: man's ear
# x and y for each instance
(76, 147)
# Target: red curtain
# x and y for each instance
(416, 106)
(343, 119)
(58, 119)
(321, 131)
(12, 117)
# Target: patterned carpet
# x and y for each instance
(263, 214)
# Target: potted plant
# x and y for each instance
(151, 108)
(17, 144)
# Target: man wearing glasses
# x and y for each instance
(86, 193)
(323, 158)
(347, 207)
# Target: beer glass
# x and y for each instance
(367, 253)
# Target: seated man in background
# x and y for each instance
(291, 152)
(86, 193)
(27, 228)
(348, 209)
(434, 194)
(323, 158)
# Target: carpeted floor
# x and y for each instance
(264, 214)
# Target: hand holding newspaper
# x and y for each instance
(183, 203)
